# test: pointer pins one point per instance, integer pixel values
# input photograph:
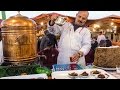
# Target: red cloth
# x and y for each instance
(51, 55)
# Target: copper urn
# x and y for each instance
(19, 39)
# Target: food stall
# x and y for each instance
(20, 56)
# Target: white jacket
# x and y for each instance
(100, 37)
(71, 42)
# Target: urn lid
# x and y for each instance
(18, 20)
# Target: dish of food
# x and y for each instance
(95, 72)
(84, 74)
(102, 76)
(73, 75)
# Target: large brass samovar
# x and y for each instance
(19, 40)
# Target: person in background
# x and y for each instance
(100, 37)
(52, 39)
(75, 39)
(90, 56)
(94, 43)
(44, 41)
(38, 43)
(48, 56)
(102, 43)
(108, 42)
(48, 37)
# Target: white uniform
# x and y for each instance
(100, 37)
(71, 42)
(1, 53)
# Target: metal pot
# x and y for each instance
(19, 39)
(60, 20)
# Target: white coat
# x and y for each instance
(100, 37)
(71, 42)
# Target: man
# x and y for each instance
(48, 37)
(52, 39)
(75, 40)
(108, 42)
(44, 41)
(100, 37)
(90, 56)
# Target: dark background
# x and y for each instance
(60, 5)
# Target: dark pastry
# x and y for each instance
(101, 76)
(96, 72)
(84, 74)
(73, 74)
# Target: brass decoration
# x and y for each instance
(19, 39)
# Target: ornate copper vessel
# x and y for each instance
(19, 39)
(60, 20)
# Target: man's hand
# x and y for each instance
(76, 57)
(54, 17)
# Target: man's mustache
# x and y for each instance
(80, 21)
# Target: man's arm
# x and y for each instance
(86, 43)
(54, 29)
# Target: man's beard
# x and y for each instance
(79, 23)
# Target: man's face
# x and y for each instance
(81, 18)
